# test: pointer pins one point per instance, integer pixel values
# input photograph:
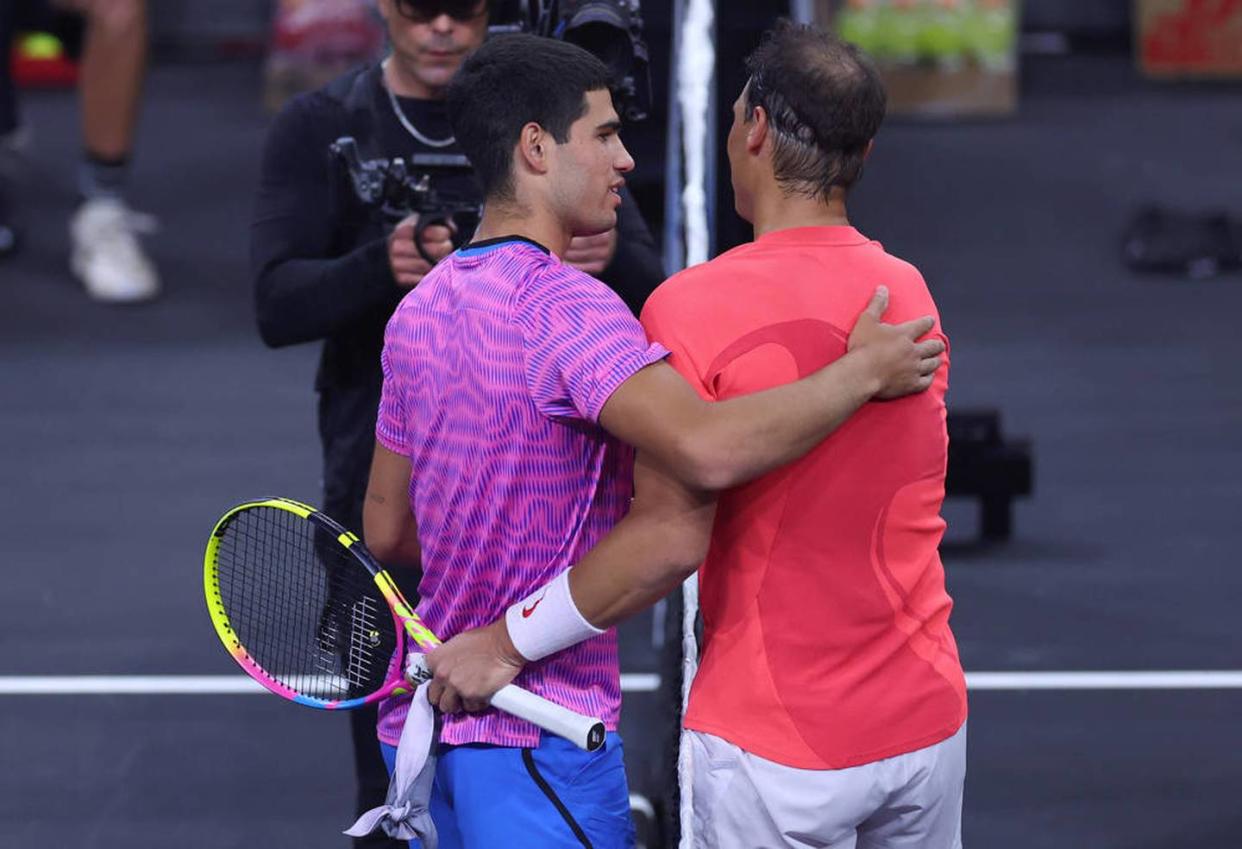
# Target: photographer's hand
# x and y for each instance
(408, 266)
(592, 253)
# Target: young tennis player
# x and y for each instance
(506, 376)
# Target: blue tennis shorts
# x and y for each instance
(552, 796)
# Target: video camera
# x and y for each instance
(611, 29)
(397, 188)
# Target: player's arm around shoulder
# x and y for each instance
(717, 445)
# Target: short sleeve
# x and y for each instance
(391, 421)
(667, 323)
(580, 343)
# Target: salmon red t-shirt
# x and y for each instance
(826, 619)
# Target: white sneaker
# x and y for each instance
(106, 255)
(16, 141)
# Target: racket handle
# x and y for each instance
(583, 731)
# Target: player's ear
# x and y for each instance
(757, 131)
(533, 148)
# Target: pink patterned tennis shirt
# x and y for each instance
(495, 371)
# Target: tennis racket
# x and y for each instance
(306, 611)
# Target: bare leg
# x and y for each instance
(107, 256)
(114, 63)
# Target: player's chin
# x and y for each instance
(596, 226)
(606, 221)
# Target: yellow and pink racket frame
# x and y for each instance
(408, 626)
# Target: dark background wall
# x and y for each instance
(184, 29)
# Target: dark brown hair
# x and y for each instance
(825, 102)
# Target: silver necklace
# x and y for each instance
(409, 126)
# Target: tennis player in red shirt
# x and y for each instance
(830, 706)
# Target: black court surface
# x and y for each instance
(124, 433)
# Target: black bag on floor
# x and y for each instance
(1198, 245)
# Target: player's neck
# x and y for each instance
(778, 211)
(514, 219)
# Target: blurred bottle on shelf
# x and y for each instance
(990, 34)
(940, 59)
(941, 39)
(897, 32)
(859, 22)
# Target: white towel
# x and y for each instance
(406, 814)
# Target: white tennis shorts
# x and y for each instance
(911, 801)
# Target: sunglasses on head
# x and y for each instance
(422, 11)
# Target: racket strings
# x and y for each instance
(259, 594)
(302, 607)
(364, 633)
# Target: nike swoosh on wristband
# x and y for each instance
(527, 611)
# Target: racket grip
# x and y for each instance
(583, 731)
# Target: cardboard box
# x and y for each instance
(1189, 38)
(939, 58)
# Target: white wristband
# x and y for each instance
(547, 621)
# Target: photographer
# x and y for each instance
(328, 267)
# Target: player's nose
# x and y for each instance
(625, 162)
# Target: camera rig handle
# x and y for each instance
(399, 187)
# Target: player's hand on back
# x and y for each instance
(469, 669)
(407, 264)
(902, 364)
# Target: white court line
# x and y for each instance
(153, 685)
(106, 685)
(207, 685)
(1208, 679)
(639, 682)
